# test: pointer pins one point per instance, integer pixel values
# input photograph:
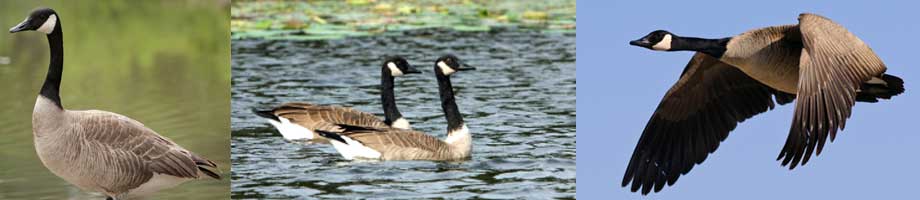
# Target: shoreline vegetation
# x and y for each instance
(323, 20)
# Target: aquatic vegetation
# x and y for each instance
(311, 20)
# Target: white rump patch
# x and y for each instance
(49, 25)
(457, 135)
(401, 123)
(354, 149)
(446, 69)
(291, 131)
(156, 183)
(394, 71)
(664, 44)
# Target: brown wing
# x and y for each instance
(128, 152)
(412, 144)
(696, 114)
(319, 117)
(834, 63)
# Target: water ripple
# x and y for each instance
(519, 105)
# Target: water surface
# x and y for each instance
(519, 105)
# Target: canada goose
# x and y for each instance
(732, 79)
(397, 144)
(98, 150)
(296, 120)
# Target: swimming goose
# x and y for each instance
(732, 79)
(295, 121)
(369, 143)
(97, 150)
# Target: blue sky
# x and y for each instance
(619, 86)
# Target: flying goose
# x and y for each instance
(732, 79)
(97, 150)
(369, 143)
(295, 121)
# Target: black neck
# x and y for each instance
(51, 88)
(451, 112)
(713, 47)
(390, 112)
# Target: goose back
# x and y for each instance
(325, 117)
(769, 55)
(110, 153)
(400, 144)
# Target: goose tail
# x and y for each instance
(206, 166)
(883, 87)
(331, 136)
(268, 114)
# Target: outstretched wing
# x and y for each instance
(833, 65)
(695, 115)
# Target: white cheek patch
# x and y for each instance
(457, 135)
(446, 69)
(401, 123)
(664, 44)
(49, 25)
(394, 71)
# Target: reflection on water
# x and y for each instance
(118, 58)
(519, 105)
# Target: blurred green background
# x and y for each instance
(311, 20)
(163, 63)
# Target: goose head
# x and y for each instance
(659, 40)
(398, 66)
(449, 64)
(44, 20)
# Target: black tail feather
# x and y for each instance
(204, 165)
(331, 135)
(873, 92)
(268, 114)
(349, 128)
(209, 172)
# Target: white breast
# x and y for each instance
(458, 135)
(401, 123)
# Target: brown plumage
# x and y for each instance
(357, 142)
(111, 153)
(729, 80)
(399, 144)
(97, 150)
(697, 113)
(297, 121)
(325, 117)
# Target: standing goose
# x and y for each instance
(296, 120)
(98, 150)
(732, 79)
(398, 144)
